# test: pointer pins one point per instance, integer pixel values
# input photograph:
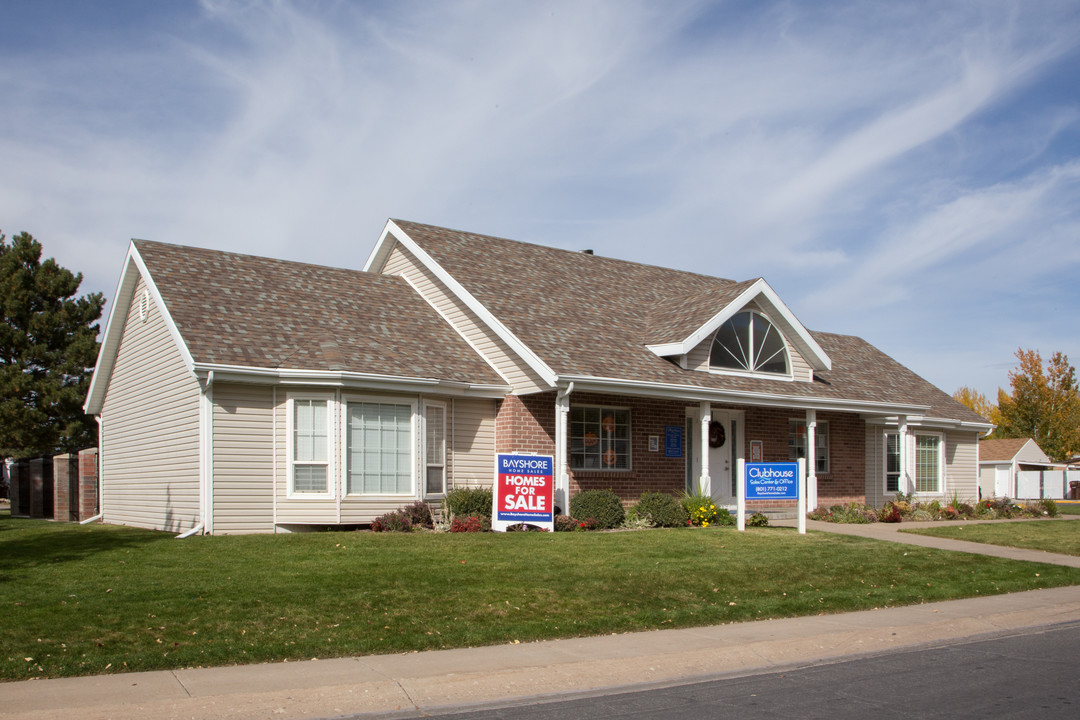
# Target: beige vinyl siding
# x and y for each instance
(150, 429)
(875, 465)
(961, 466)
(300, 511)
(473, 453)
(482, 338)
(243, 459)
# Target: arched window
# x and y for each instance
(748, 342)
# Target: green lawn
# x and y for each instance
(1059, 536)
(1072, 508)
(85, 600)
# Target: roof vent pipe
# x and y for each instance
(587, 252)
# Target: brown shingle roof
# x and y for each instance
(1000, 449)
(258, 312)
(594, 316)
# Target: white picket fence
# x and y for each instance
(1036, 484)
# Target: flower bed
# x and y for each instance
(905, 508)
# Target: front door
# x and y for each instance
(724, 445)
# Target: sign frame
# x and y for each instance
(527, 480)
(800, 490)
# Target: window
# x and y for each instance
(310, 455)
(435, 449)
(748, 342)
(599, 438)
(892, 462)
(378, 448)
(927, 463)
(797, 443)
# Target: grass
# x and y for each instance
(1068, 508)
(1057, 536)
(87, 600)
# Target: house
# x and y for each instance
(1018, 468)
(244, 394)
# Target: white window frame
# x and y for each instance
(885, 463)
(414, 442)
(789, 375)
(821, 431)
(940, 439)
(425, 450)
(629, 438)
(290, 447)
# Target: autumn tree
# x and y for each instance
(978, 402)
(1043, 405)
(48, 347)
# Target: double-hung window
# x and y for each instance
(892, 462)
(434, 448)
(379, 447)
(310, 447)
(599, 438)
(797, 443)
(928, 469)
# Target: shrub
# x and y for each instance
(1049, 507)
(965, 510)
(921, 515)
(588, 523)
(890, 513)
(934, 508)
(660, 509)
(950, 513)
(565, 523)
(724, 517)
(757, 520)
(820, 513)
(602, 506)
(419, 514)
(396, 521)
(470, 523)
(700, 510)
(466, 501)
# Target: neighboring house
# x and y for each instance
(1018, 468)
(245, 394)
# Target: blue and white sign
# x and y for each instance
(673, 441)
(772, 481)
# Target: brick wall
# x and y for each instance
(527, 423)
(88, 483)
(845, 481)
(65, 475)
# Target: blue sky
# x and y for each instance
(908, 172)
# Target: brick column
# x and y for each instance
(15, 487)
(65, 487)
(88, 483)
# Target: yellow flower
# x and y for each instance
(705, 524)
(712, 507)
(702, 508)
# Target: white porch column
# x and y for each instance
(562, 444)
(905, 480)
(705, 482)
(811, 460)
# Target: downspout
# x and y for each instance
(562, 412)
(101, 503)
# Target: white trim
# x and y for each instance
(415, 490)
(422, 480)
(378, 258)
(692, 393)
(206, 454)
(349, 380)
(810, 349)
(940, 437)
(290, 422)
(134, 269)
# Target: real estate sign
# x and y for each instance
(524, 491)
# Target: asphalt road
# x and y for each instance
(1035, 674)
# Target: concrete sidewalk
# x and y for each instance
(413, 684)
(891, 532)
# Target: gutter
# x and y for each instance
(197, 529)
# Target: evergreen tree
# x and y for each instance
(1043, 405)
(48, 347)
